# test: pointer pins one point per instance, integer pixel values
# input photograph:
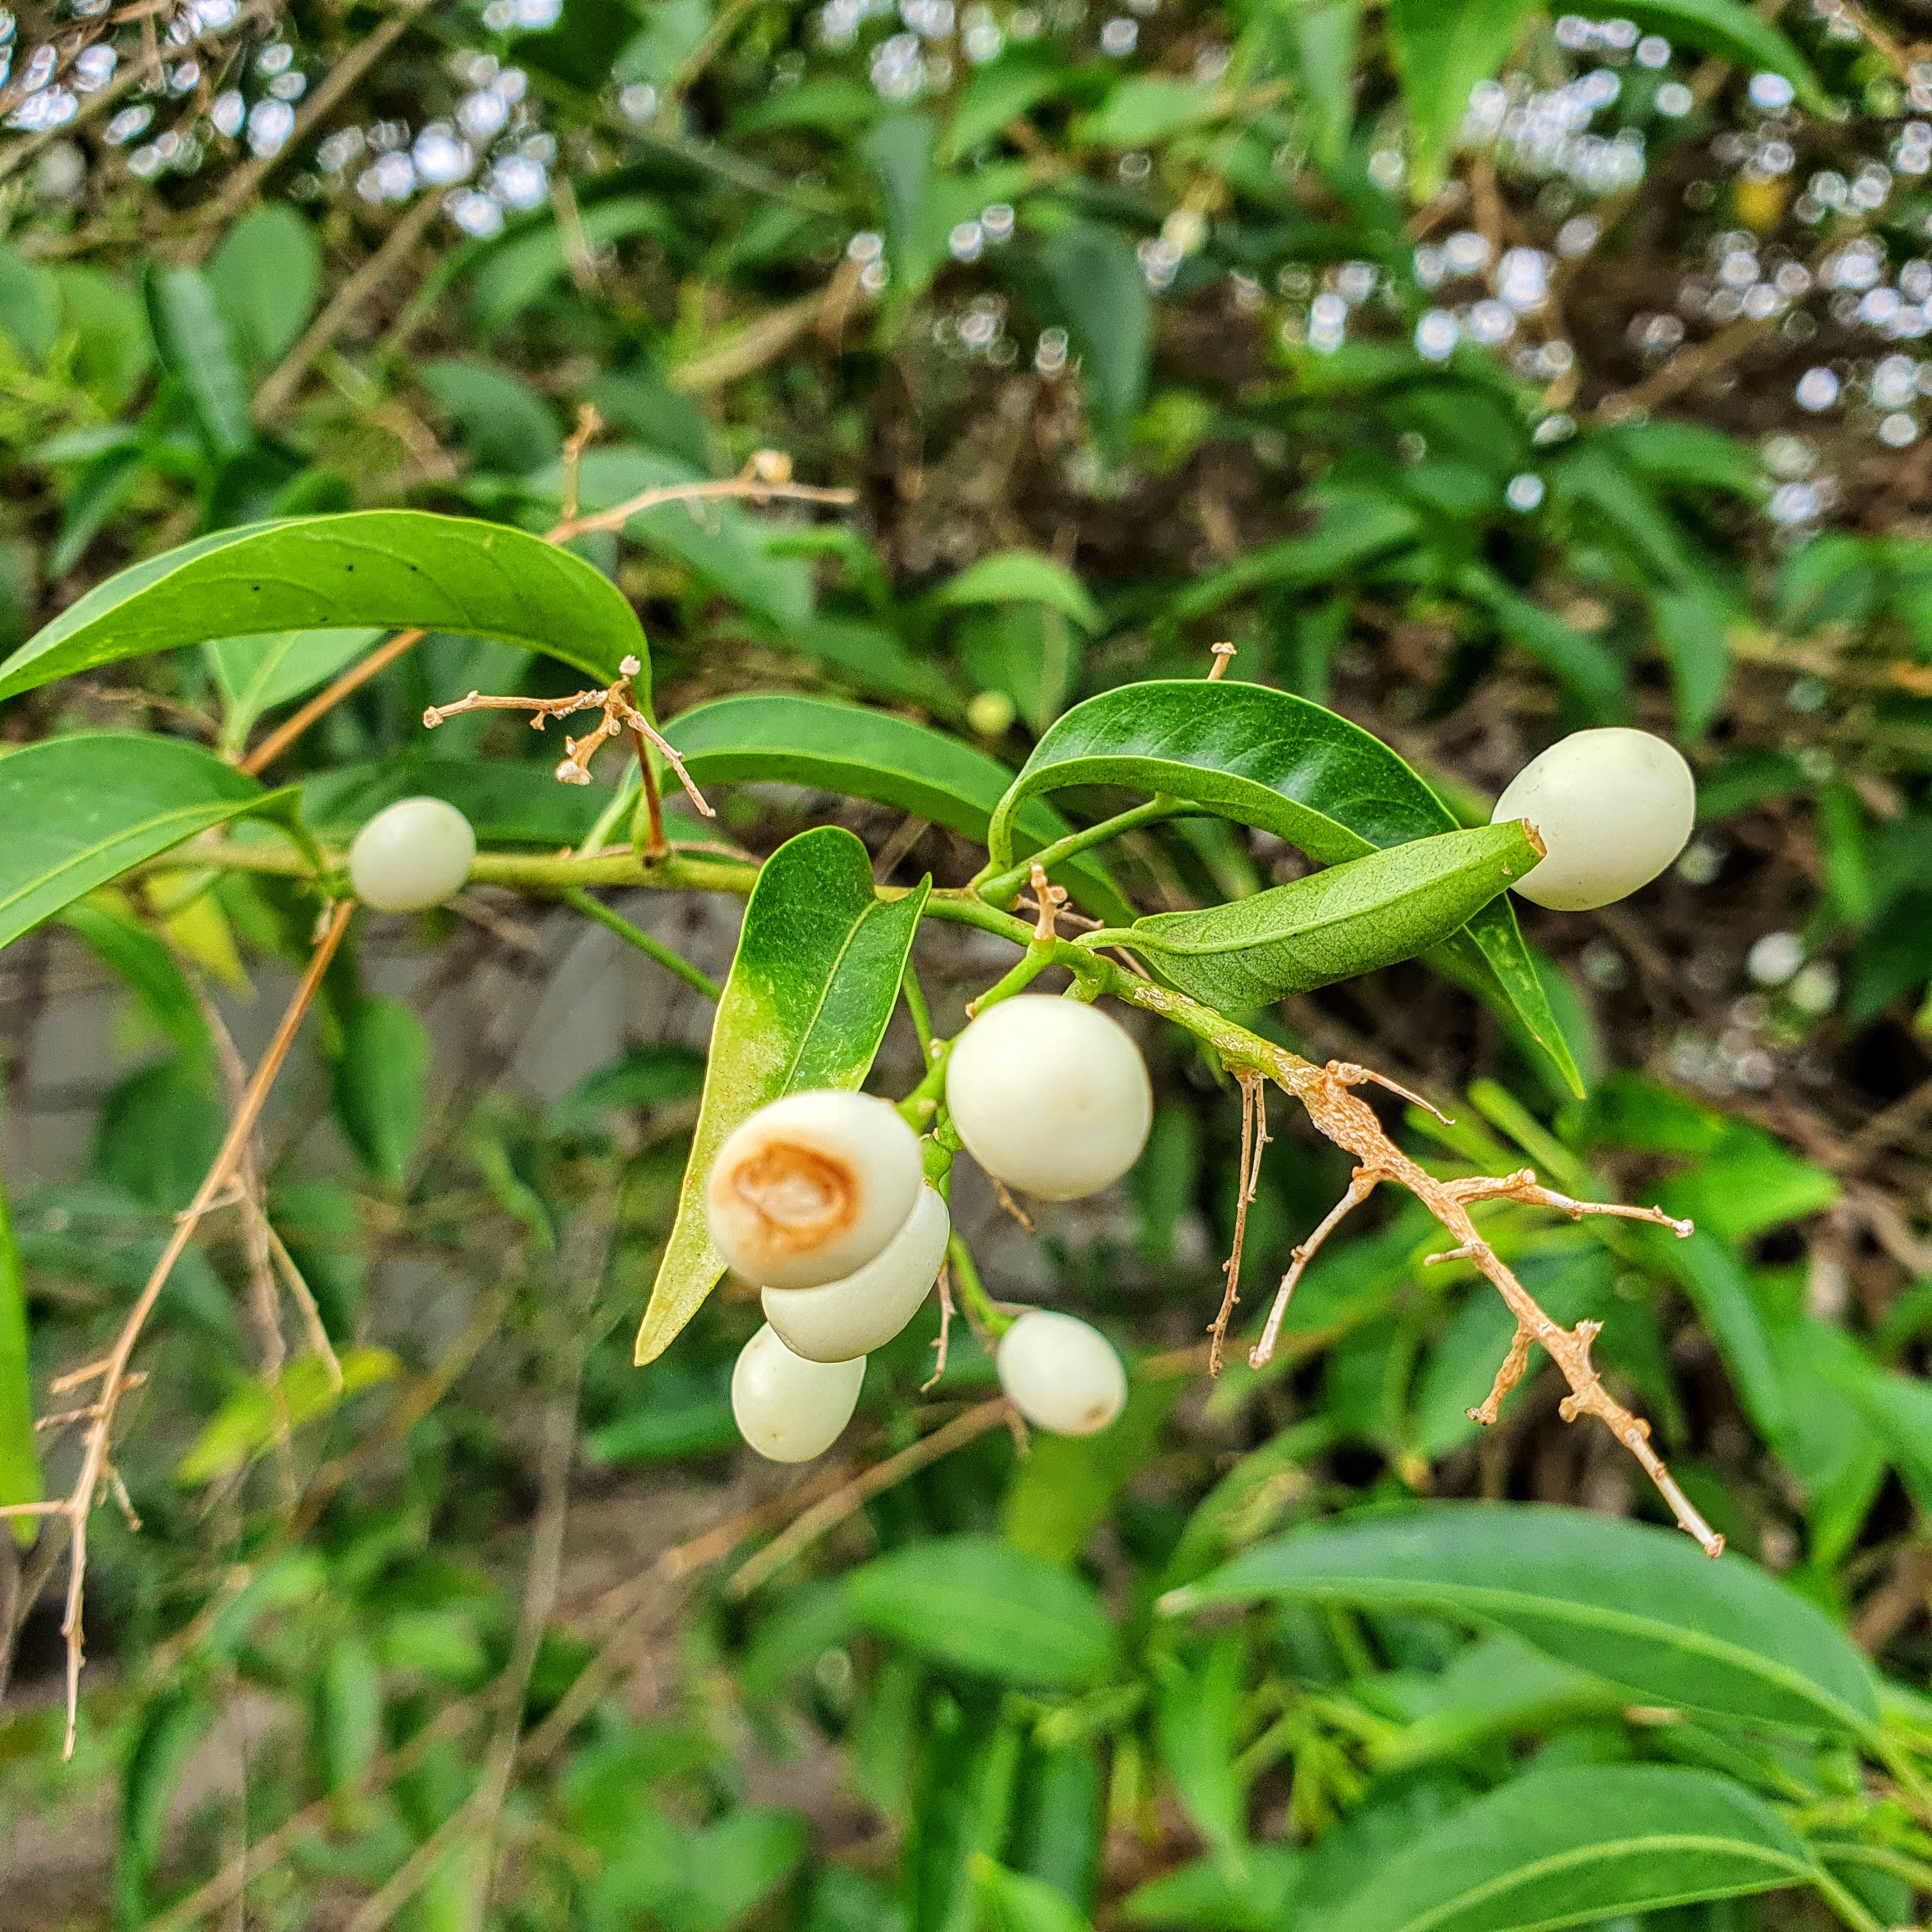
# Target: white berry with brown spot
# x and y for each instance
(787, 1408)
(864, 1310)
(411, 855)
(811, 1187)
(1060, 1373)
(1613, 807)
(1049, 1095)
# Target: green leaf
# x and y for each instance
(504, 424)
(1357, 527)
(266, 275)
(1011, 1902)
(816, 973)
(1321, 36)
(1265, 758)
(1205, 1896)
(1101, 296)
(1440, 52)
(1588, 668)
(150, 970)
(1576, 1845)
(1145, 109)
(256, 674)
(395, 569)
(97, 492)
(872, 755)
(379, 1085)
(1197, 1723)
(1693, 627)
(1354, 918)
(19, 1460)
(1021, 576)
(980, 1606)
(29, 305)
(1728, 28)
(507, 803)
(197, 349)
(1641, 1606)
(724, 545)
(244, 1425)
(82, 810)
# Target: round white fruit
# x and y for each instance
(1049, 1095)
(414, 854)
(1613, 807)
(1061, 1374)
(811, 1188)
(841, 1319)
(788, 1409)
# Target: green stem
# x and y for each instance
(1001, 888)
(922, 1014)
(972, 1290)
(632, 935)
(1845, 1902)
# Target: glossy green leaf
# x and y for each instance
(197, 348)
(19, 1457)
(1013, 1902)
(256, 674)
(1728, 28)
(82, 810)
(245, 1424)
(1198, 1723)
(392, 569)
(816, 973)
(379, 1085)
(1441, 53)
(1354, 918)
(1267, 759)
(1357, 527)
(1101, 295)
(1021, 576)
(980, 1606)
(266, 275)
(1575, 1846)
(1640, 1606)
(861, 754)
(147, 965)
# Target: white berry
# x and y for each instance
(788, 1409)
(1613, 807)
(1061, 1374)
(414, 854)
(1049, 1095)
(864, 1311)
(811, 1187)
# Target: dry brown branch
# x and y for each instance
(848, 1499)
(111, 1370)
(944, 1284)
(1352, 1125)
(357, 674)
(1254, 1139)
(619, 713)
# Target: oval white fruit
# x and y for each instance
(1049, 1095)
(1061, 1374)
(811, 1188)
(414, 854)
(840, 1319)
(1612, 806)
(788, 1409)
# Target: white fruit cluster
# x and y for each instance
(820, 1198)
(1613, 807)
(412, 854)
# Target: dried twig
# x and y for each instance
(1254, 1138)
(1351, 1125)
(96, 1471)
(944, 1284)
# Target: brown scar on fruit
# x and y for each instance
(802, 1198)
